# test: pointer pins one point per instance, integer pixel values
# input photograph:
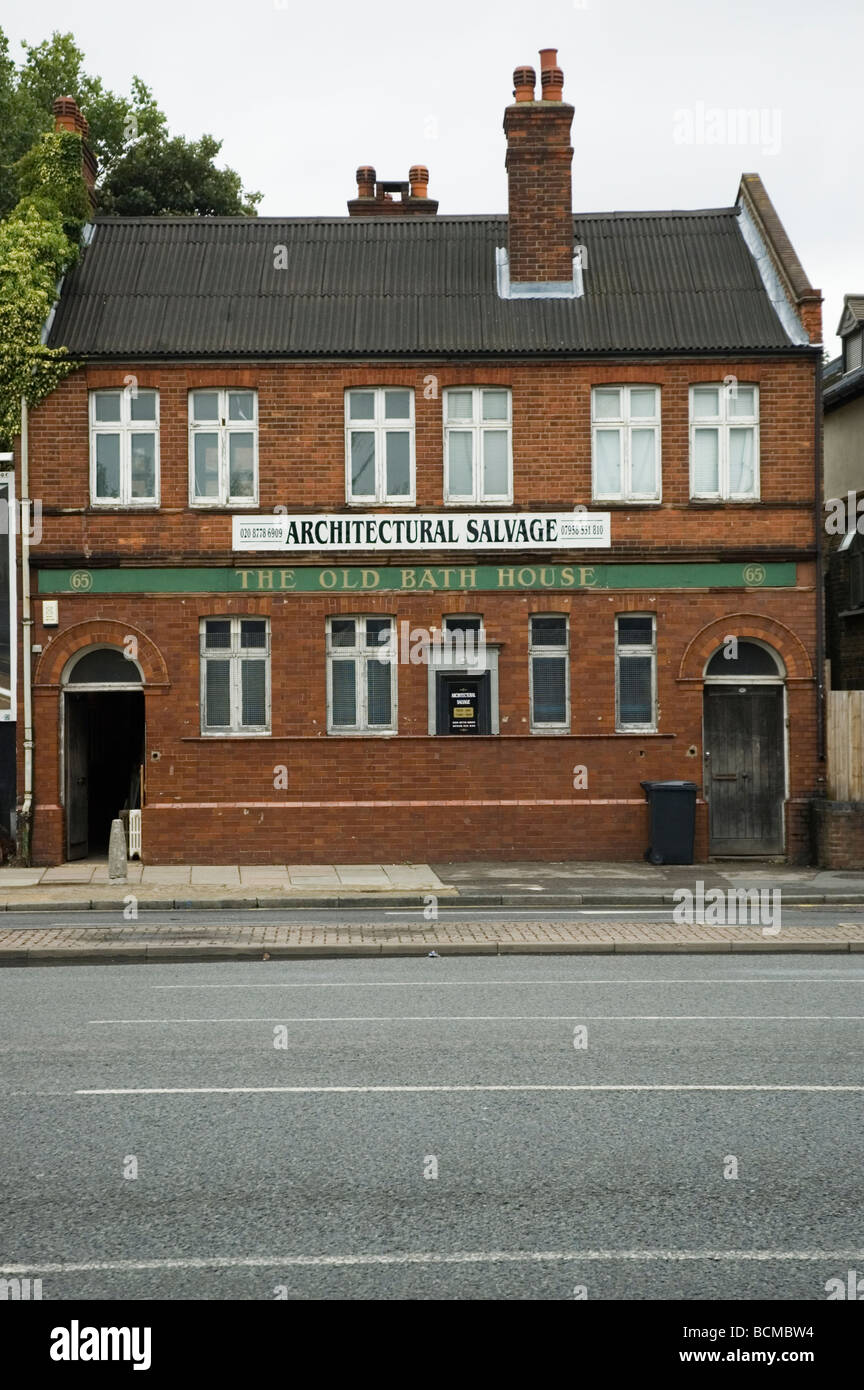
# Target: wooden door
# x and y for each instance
(744, 768)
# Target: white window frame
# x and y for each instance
(224, 428)
(626, 424)
(125, 427)
(636, 649)
(546, 650)
(380, 427)
(477, 427)
(723, 423)
(384, 652)
(234, 655)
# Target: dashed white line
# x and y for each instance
(507, 1018)
(836, 976)
(442, 1090)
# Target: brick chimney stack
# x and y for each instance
(539, 157)
(375, 198)
(67, 116)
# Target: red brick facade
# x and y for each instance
(415, 796)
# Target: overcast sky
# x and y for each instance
(303, 91)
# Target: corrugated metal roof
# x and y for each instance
(176, 286)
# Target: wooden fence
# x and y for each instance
(845, 745)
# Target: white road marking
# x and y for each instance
(619, 911)
(835, 975)
(460, 1257)
(508, 1018)
(414, 1090)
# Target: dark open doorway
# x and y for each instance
(104, 755)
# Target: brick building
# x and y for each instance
(585, 448)
(839, 822)
(843, 399)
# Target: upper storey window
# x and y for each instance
(478, 455)
(124, 448)
(724, 441)
(626, 443)
(223, 448)
(379, 445)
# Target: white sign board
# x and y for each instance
(478, 531)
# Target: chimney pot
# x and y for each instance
(548, 58)
(552, 81)
(418, 177)
(524, 80)
(366, 181)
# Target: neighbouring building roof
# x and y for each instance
(654, 282)
(837, 390)
(853, 312)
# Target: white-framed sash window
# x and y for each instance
(124, 447)
(724, 441)
(625, 443)
(361, 675)
(379, 444)
(223, 447)
(235, 675)
(549, 675)
(635, 673)
(478, 444)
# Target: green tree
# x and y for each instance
(160, 176)
(38, 242)
(141, 166)
(44, 203)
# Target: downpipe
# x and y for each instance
(25, 815)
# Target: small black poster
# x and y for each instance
(464, 709)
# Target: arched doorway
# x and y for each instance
(745, 749)
(103, 716)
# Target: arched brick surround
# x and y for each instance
(743, 625)
(99, 632)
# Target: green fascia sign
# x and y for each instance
(507, 578)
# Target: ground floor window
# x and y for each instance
(361, 676)
(548, 668)
(235, 675)
(635, 673)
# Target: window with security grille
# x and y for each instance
(361, 675)
(223, 448)
(635, 673)
(124, 448)
(379, 445)
(625, 425)
(724, 441)
(235, 676)
(549, 673)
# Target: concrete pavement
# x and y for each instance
(423, 896)
(85, 884)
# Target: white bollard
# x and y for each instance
(117, 851)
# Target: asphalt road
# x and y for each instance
(264, 1169)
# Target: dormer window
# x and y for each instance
(853, 350)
